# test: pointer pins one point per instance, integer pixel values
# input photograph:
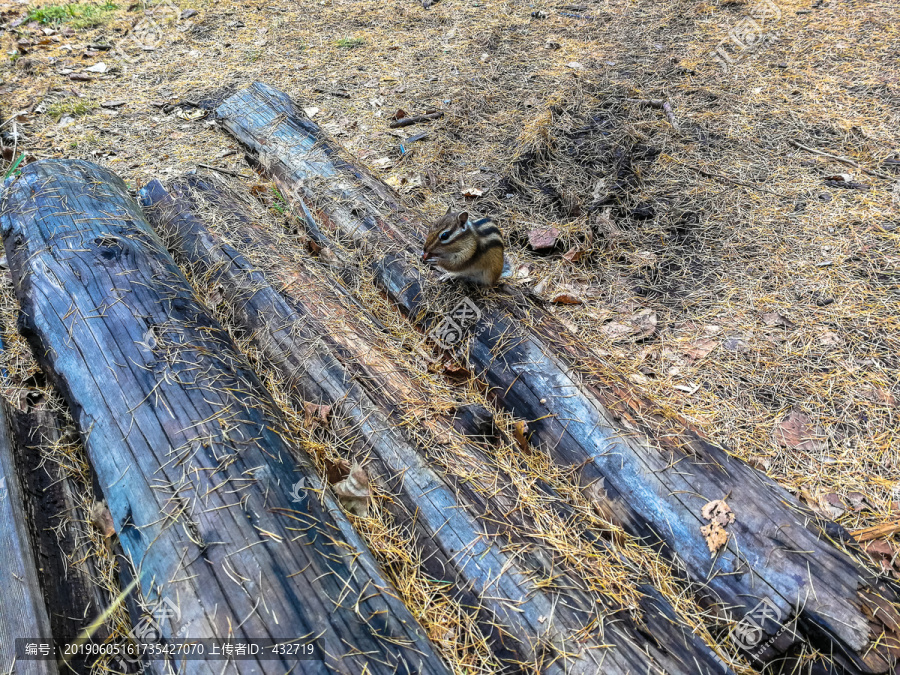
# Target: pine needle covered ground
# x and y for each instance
(726, 263)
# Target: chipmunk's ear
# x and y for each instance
(462, 218)
(449, 209)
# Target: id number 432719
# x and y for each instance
(293, 649)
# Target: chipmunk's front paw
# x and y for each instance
(445, 277)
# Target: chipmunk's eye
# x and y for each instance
(445, 235)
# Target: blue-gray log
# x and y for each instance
(188, 448)
(783, 581)
(22, 610)
(309, 337)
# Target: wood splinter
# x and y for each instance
(659, 104)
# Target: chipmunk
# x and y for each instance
(472, 251)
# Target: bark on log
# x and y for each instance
(22, 610)
(781, 578)
(311, 340)
(187, 445)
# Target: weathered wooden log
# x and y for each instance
(780, 579)
(59, 526)
(309, 337)
(190, 451)
(22, 610)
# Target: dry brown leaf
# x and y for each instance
(716, 537)
(471, 192)
(101, 518)
(336, 470)
(879, 547)
(776, 319)
(644, 258)
(718, 511)
(698, 349)
(877, 394)
(573, 254)
(565, 298)
(406, 183)
(797, 432)
(456, 370)
(315, 414)
(353, 492)
(858, 501)
(831, 506)
(639, 325)
(720, 515)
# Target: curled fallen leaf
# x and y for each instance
(877, 394)
(190, 114)
(315, 414)
(101, 518)
(353, 492)
(566, 298)
(832, 506)
(406, 183)
(719, 515)
(472, 192)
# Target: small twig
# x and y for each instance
(409, 121)
(659, 104)
(332, 92)
(842, 160)
(221, 170)
(726, 179)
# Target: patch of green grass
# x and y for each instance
(349, 43)
(253, 55)
(13, 167)
(71, 106)
(77, 15)
(278, 203)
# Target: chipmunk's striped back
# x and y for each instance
(464, 248)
